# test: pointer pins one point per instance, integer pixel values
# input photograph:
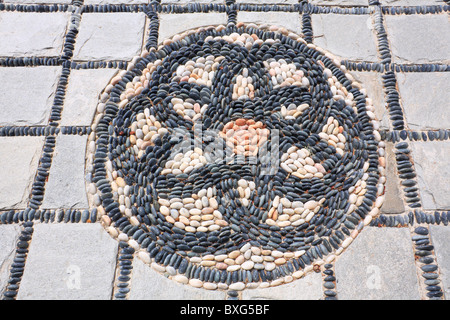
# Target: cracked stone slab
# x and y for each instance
(432, 163)
(32, 33)
(307, 288)
(147, 284)
(110, 36)
(172, 24)
(66, 182)
(351, 37)
(425, 99)
(419, 38)
(288, 20)
(340, 2)
(19, 159)
(439, 237)
(9, 235)
(82, 95)
(69, 262)
(393, 203)
(379, 265)
(32, 108)
(412, 2)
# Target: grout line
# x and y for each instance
(17, 268)
(329, 282)
(124, 268)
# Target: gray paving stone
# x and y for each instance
(340, 2)
(412, 2)
(378, 265)
(419, 38)
(439, 237)
(94, 2)
(432, 163)
(19, 159)
(32, 34)
(69, 262)
(147, 284)
(110, 36)
(425, 99)
(393, 203)
(9, 235)
(307, 288)
(349, 36)
(172, 24)
(32, 108)
(372, 82)
(289, 20)
(82, 95)
(66, 184)
(268, 1)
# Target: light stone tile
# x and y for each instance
(82, 95)
(32, 34)
(340, 2)
(66, 182)
(350, 37)
(425, 98)
(432, 164)
(147, 284)
(440, 236)
(307, 288)
(19, 159)
(419, 38)
(32, 108)
(9, 235)
(289, 20)
(110, 36)
(69, 262)
(378, 265)
(172, 24)
(412, 2)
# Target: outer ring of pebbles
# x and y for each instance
(157, 236)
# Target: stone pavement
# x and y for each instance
(57, 57)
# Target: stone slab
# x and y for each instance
(432, 164)
(393, 203)
(82, 95)
(440, 236)
(172, 24)
(340, 2)
(412, 2)
(147, 284)
(372, 82)
(425, 99)
(32, 108)
(69, 262)
(289, 20)
(268, 1)
(378, 265)
(307, 288)
(66, 182)
(32, 34)
(9, 235)
(19, 159)
(419, 38)
(351, 37)
(110, 36)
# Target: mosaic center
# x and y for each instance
(236, 154)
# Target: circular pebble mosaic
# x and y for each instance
(236, 157)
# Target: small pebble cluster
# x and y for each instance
(223, 224)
